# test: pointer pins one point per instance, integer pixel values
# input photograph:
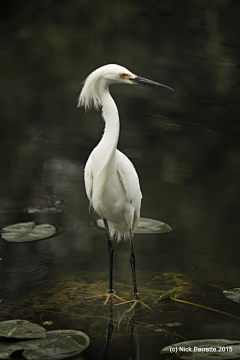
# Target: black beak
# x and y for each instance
(142, 81)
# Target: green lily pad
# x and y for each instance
(204, 349)
(21, 329)
(148, 226)
(167, 295)
(59, 344)
(6, 349)
(28, 231)
(145, 226)
(233, 294)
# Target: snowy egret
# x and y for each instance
(111, 181)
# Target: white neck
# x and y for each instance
(106, 149)
(108, 143)
(111, 118)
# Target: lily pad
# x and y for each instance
(21, 329)
(167, 295)
(28, 231)
(59, 344)
(204, 349)
(145, 226)
(233, 294)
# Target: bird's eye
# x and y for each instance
(123, 76)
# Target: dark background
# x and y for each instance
(184, 144)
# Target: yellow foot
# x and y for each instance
(135, 302)
(108, 295)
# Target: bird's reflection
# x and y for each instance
(122, 338)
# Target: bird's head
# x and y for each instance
(114, 74)
(100, 79)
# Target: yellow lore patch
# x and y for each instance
(126, 76)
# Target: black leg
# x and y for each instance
(132, 262)
(111, 250)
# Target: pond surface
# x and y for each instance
(184, 144)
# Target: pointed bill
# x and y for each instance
(143, 81)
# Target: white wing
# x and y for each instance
(88, 178)
(130, 181)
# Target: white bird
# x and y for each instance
(111, 181)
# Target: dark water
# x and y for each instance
(184, 145)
